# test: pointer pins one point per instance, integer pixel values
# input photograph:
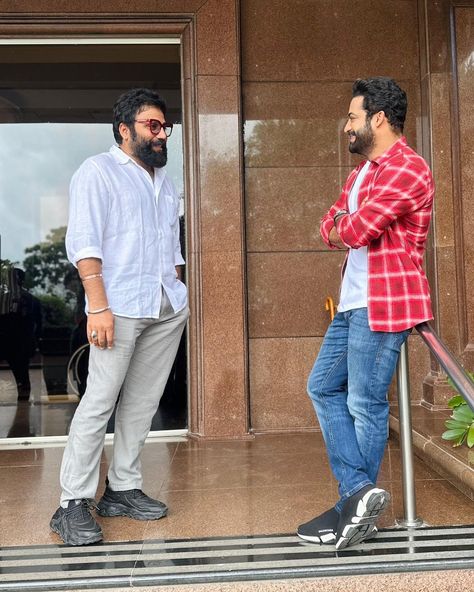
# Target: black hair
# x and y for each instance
(382, 94)
(129, 104)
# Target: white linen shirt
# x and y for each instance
(119, 214)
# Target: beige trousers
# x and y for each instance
(137, 367)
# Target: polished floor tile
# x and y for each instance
(250, 470)
(240, 511)
(262, 445)
(438, 503)
(262, 486)
(31, 457)
(391, 469)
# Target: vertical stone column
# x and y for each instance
(440, 26)
(219, 386)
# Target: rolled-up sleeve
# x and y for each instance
(89, 198)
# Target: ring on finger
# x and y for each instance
(93, 335)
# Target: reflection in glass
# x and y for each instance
(43, 344)
(20, 325)
(41, 297)
(55, 111)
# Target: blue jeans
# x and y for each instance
(348, 386)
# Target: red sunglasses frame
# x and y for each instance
(156, 122)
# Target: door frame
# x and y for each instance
(218, 392)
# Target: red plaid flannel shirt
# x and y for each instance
(395, 203)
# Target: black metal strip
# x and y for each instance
(392, 551)
(247, 537)
(240, 575)
(147, 547)
(317, 553)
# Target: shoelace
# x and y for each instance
(91, 503)
(84, 507)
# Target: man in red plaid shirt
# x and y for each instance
(382, 219)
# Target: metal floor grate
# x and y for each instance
(230, 559)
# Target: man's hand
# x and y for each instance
(100, 329)
(335, 240)
(100, 326)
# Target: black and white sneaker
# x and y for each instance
(359, 514)
(321, 529)
(132, 503)
(75, 524)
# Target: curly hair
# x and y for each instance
(382, 94)
(130, 104)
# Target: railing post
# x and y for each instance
(410, 518)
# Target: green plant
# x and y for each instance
(461, 423)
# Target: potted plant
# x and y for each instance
(461, 423)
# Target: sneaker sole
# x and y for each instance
(72, 540)
(329, 539)
(111, 510)
(363, 524)
(364, 533)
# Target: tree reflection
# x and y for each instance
(47, 268)
(53, 279)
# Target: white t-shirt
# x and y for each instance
(354, 283)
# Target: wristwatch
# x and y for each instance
(338, 214)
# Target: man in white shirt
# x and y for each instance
(123, 237)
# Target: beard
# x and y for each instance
(144, 151)
(364, 140)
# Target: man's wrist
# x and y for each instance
(99, 310)
(338, 215)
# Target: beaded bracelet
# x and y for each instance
(99, 310)
(90, 277)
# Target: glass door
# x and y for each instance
(55, 111)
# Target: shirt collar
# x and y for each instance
(394, 148)
(123, 158)
(119, 155)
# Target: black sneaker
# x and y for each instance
(359, 514)
(132, 503)
(321, 529)
(75, 524)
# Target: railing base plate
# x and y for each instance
(405, 523)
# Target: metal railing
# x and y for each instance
(448, 362)
(464, 385)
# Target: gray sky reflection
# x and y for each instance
(37, 162)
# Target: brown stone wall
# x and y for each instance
(258, 271)
(464, 71)
(299, 60)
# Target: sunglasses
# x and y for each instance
(155, 126)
